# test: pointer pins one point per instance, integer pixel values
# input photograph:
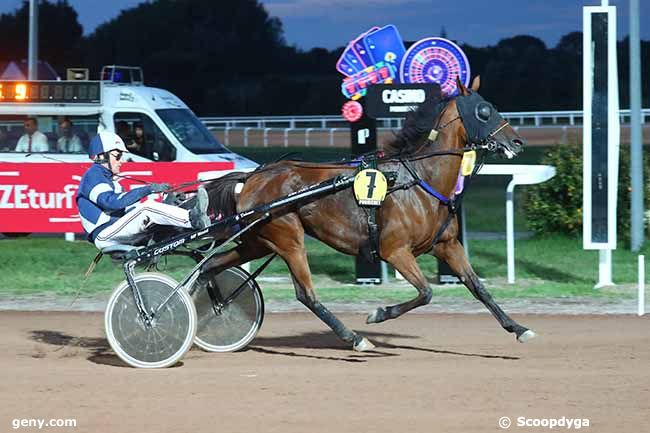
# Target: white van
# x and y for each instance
(154, 123)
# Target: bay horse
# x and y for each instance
(409, 219)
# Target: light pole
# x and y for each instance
(32, 59)
(636, 146)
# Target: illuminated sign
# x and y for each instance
(395, 100)
(60, 92)
(435, 60)
(352, 111)
(355, 87)
(378, 57)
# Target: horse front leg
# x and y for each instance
(453, 253)
(404, 261)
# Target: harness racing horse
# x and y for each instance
(409, 219)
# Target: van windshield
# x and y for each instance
(190, 131)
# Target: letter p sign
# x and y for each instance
(362, 135)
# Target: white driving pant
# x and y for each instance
(134, 226)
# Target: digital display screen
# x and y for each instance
(61, 92)
(599, 131)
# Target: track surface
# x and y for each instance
(430, 373)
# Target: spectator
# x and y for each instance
(122, 129)
(32, 140)
(4, 141)
(68, 142)
(136, 145)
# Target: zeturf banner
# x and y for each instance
(40, 197)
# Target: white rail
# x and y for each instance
(518, 118)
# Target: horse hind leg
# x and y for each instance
(289, 244)
(453, 254)
(404, 261)
(241, 254)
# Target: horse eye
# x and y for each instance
(484, 112)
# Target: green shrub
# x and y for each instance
(555, 206)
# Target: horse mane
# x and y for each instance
(417, 126)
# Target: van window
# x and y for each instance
(143, 137)
(190, 131)
(51, 134)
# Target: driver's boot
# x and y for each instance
(198, 213)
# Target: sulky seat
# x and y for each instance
(117, 252)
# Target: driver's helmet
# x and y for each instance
(104, 142)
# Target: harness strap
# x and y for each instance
(454, 205)
(372, 250)
(425, 186)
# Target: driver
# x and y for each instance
(110, 216)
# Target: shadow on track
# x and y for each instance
(327, 341)
(100, 350)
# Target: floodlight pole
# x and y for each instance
(636, 145)
(32, 59)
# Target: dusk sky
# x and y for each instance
(332, 23)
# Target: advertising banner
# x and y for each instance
(40, 197)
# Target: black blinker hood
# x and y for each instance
(477, 129)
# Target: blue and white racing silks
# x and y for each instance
(101, 201)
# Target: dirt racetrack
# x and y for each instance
(430, 373)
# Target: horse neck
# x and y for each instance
(442, 171)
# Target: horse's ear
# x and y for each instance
(476, 83)
(462, 90)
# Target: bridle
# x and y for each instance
(488, 143)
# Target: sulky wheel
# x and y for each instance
(167, 338)
(227, 326)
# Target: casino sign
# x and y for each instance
(378, 57)
(395, 100)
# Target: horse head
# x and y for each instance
(484, 126)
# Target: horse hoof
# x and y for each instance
(376, 316)
(526, 336)
(363, 345)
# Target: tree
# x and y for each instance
(59, 35)
(192, 47)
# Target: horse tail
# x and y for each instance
(223, 195)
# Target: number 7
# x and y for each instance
(371, 185)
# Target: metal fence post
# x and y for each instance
(246, 136)
(266, 137)
(226, 136)
(286, 136)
